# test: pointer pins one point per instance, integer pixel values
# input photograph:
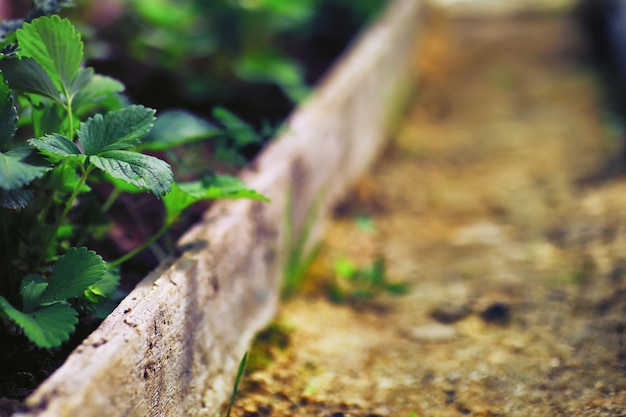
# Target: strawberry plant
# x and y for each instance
(64, 129)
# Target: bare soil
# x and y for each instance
(489, 204)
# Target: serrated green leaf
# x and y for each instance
(31, 288)
(116, 130)
(17, 171)
(72, 274)
(215, 187)
(48, 326)
(174, 128)
(56, 146)
(28, 76)
(8, 114)
(104, 288)
(94, 92)
(55, 45)
(144, 171)
(15, 199)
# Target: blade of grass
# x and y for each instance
(242, 367)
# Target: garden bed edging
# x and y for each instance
(173, 345)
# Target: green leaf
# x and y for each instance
(241, 132)
(72, 274)
(166, 14)
(82, 78)
(294, 10)
(46, 119)
(31, 288)
(345, 268)
(396, 288)
(15, 199)
(17, 170)
(28, 76)
(376, 273)
(55, 45)
(176, 201)
(56, 146)
(215, 187)
(8, 113)
(48, 326)
(144, 171)
(174, 128)
(268, 66)
(94, 92)
(116, 130)
(226, 186)
(104, 288)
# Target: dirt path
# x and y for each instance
(517, 270)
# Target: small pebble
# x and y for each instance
(432, 333)
(497, 312)
(450, 312)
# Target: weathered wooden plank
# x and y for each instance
(173, 345)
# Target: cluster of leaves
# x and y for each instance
(238, 36)
(82, 132)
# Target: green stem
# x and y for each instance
(70, 113)
(70, 201)
(66, 210)
(111, 199)
(47, 205)
(141, 247)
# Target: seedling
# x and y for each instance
(300, 252)
(361, 284)
(83, 133)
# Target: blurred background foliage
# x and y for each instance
(257, 58)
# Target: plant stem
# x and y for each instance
(66, 210)
(141, 247)
(111, 199)
(70, 201)
(70, 113)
